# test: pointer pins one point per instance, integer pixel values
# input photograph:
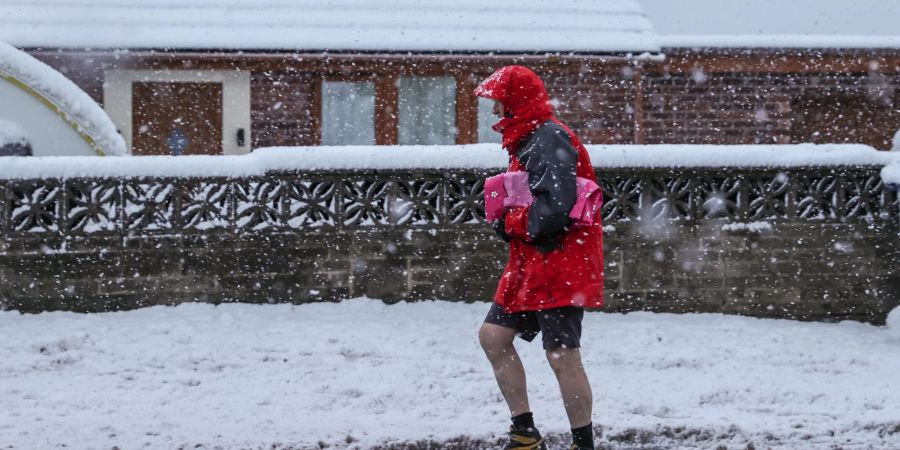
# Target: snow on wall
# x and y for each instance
(476, 156)
(891, 174)
(775, 23)
(12, 133)
(388, 25)
(672, 155)
(75, 106)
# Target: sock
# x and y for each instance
(583, 437)
(523, 421)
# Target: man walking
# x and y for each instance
(555, 269)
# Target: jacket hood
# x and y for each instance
(524, 98)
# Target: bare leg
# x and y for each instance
(497, 342)
(573, 383)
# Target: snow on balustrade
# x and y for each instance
(350, 187)
(891, 173)
(438, 157)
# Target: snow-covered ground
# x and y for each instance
(360, 371)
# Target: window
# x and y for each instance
(486, 120)
(348, 113)
(427, 110)
(387, 109)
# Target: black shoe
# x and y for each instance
(525, 439)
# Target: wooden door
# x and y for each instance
(176, 118)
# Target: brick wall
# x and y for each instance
(767, 108)
(675, 105)
(689, 108)
(715, 109)
(88, 72)
(598, 106)
(792, 270)
(283, 109)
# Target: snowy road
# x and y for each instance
(248, 376)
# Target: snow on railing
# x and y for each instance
(438, 157)
(891, 174)
(279, 190)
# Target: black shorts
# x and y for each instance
(560, 327)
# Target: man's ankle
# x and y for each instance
(583, 437)
(523, 421)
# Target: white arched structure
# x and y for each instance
(57, 116)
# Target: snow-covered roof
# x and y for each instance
(775, 23)
(366, 25)
(60, 94)
(475, 156)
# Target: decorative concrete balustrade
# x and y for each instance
(793, 231)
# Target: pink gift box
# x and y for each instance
(510, 190)
(517, 191)
(507, 190)
(588, 203)
(494, 193)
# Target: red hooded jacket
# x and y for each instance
(551, 264)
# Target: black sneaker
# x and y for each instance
(525, 439)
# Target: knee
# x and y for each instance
(564, 359)
(553, 357)
(492, 340)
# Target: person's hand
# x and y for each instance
(500, 228)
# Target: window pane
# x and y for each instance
(348, 113)
(487, 119)
(427, 110)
